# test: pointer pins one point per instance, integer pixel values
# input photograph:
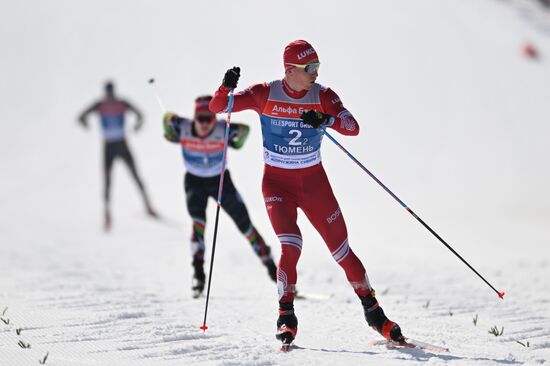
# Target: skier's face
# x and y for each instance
(204, 123)
(299, 79)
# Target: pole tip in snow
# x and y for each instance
(151, 81)
(501, 294)
(204, 327)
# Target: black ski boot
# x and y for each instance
(287, 324)
(378, 321)
(107, 220)
(198, 280)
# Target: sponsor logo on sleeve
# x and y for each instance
(347, 121)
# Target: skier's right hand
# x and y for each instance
(170, 131)
(168, 116)
(231, 77)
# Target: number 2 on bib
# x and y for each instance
(295, 139)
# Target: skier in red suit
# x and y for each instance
(294, 112)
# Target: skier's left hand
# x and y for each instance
(238, 135)
(317, 119)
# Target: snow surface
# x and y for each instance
(454, 120)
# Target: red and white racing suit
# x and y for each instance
(294, 176)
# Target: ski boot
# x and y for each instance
(107, 220)
(198, 280)
(287, 325)
(378, 321)
(151, 212)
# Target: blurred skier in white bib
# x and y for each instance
(202, 142)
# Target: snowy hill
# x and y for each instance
(454, 120)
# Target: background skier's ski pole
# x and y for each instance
(155, 91)
(500, 294)
(204, 327)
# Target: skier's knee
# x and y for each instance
(243, 224)
(291, 248)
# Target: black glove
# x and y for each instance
(317, 119)
(231, 77)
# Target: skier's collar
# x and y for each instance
(293, 93)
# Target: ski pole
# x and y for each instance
(500, 294)
(157, 95)
(204, 327)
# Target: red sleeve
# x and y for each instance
(253, 98)
(344, 122)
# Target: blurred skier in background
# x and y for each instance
(202, 142)
(294, 112)
(111, 111)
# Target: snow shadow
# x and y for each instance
(422, 355)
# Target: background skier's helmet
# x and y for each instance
(201, 103)
(202, 112)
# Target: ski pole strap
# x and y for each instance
(225, 144)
